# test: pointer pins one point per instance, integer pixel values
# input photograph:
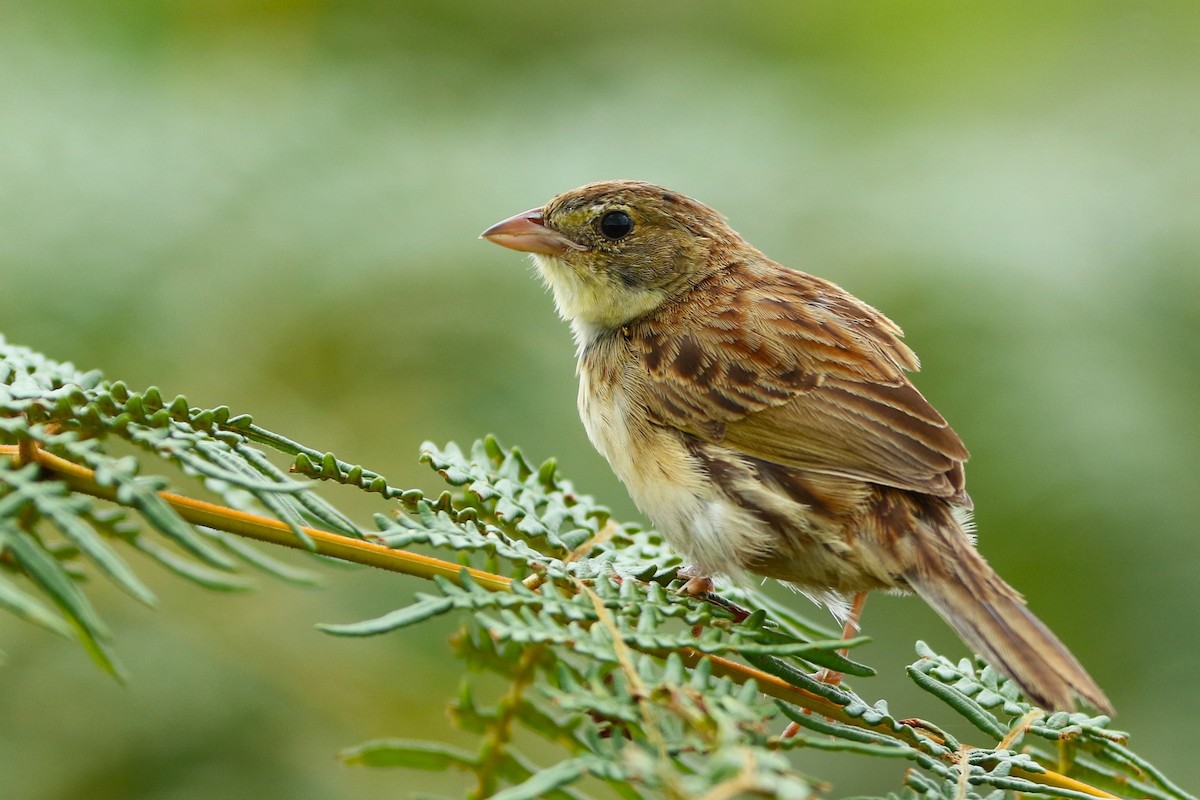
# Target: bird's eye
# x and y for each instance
(616, 225)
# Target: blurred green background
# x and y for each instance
(275, 206)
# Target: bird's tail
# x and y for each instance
(992, 619)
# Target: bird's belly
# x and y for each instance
(744, 527)
(668, 484)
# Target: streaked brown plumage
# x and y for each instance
(762, 418)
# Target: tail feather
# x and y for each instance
(991, 617)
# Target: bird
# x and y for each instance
(764, 421)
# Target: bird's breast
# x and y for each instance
(665, 480)
(642, 455)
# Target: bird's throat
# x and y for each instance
(594, 304)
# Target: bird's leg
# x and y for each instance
(851, 627)
(826, 675)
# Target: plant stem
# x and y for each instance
(264, 529)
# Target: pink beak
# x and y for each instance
(528, 233)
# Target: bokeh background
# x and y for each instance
(275, 206)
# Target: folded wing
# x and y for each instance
(789, 368)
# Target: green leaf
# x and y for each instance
(159, 513)
(545, 781)
(30, 609)
(426, 607)
(48, 575)
(191, 570)
(261, 561)
(427, 756)
(69, 522)
(964, 705)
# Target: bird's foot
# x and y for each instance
(920, 724)
(829, 677)
(698, 584)
(700, 587)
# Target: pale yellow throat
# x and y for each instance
(593, 304)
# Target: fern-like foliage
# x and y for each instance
(642, 691)
(623, 688)
(47, 530)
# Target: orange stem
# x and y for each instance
(264, 529)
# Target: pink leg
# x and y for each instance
(827, 675)
(848, 631)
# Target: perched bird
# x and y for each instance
(761, 417)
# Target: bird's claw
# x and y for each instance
(697, 586)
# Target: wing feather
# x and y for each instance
(791, 369)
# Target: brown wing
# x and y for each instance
(789, 368)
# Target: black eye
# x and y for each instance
(616, 225)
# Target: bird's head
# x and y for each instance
(614, 251)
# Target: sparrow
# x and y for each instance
(762, 418)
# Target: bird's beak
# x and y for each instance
(528, 233)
